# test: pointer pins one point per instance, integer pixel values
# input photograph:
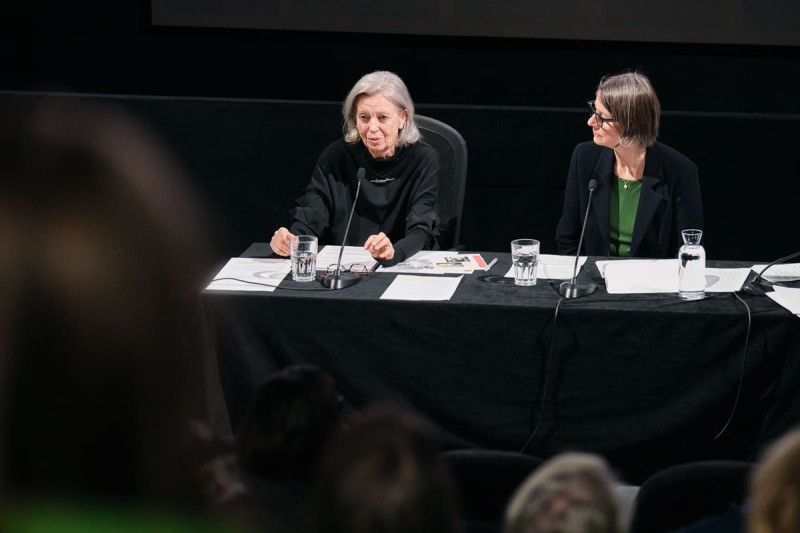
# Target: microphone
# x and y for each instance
(573, 289)
(756, 286)
(340, 280)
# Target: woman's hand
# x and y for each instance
(380, 247)
(281, 241)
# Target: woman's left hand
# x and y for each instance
(380, 247)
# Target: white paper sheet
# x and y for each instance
(352, 254)
(263, 274)
(778, 273)
(554, 266)
(433, 288)
(639, 276)
(786, 297)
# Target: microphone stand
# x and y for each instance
(339, 279)
(574, 289)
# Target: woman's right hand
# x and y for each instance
(280, 242)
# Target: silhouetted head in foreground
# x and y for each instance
(100, 344)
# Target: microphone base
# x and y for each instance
(339, 281)
(755, 289)
(576, 290)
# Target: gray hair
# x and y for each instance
(631, 99)
(572, 493)
(392, 87)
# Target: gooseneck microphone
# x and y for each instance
(571, 288)
(756, 286)
(339, 279)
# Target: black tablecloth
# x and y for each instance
(645, 380)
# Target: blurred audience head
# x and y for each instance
(385, 474)
(100, 339)
(291, 420)
(775, 488)
(570, 493)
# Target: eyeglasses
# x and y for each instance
(597, 116)
(355, 268)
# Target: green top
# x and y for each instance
(45, 516)
(624, 204)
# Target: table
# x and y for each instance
(645, 380)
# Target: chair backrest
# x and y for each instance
(452, 176)
(683, 494)
(486, 480)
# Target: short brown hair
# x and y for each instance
(386, 473)
(632, 101)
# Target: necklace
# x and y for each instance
(382, 178)
(625, 182)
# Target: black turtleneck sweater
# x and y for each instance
(398, 197)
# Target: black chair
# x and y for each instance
(452, 176)
(486, 480)
(681, 495)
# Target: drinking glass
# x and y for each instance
(304, 257)
(525, 257)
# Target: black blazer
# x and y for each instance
(669, 202)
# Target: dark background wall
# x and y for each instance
(248, 111)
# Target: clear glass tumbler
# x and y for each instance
(304, 258)
(525, 257)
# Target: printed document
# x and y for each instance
(329, 254)
(438, 262)
(554, 266)
(251, 274)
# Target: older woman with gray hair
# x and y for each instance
(646, 191)
(395, 215)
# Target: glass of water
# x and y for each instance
(304, 257)
(525, 257)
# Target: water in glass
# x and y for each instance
(525, 257)
(304, 257)
(304, 265)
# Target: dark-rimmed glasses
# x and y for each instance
(601, 120)
(355, 268)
